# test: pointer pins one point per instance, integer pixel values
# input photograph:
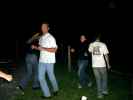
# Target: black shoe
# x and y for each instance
(55, 93)
(43, 97)
(21, 88)
(105, 93)
(35, 88)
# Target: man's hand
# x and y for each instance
(37, 48)
(9, 78)
(72, 50)
(109, 67)
(40, 48)
(34, 47)
(44, 49)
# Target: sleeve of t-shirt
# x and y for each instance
(105, 50)
(52, 42)
(90, 48)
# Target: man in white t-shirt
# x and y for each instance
(100, 53)
(47, 48)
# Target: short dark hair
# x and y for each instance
(45, 23)
(98, 36)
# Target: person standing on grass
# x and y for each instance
(47, 47)
(100, 53)
(83, 62)
(31, 60)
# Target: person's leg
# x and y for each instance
(42, 79)
(86, 75)
(98, 81)
(35, 69)
(104, 81)
(51, 75)
(23, 83)
(80, 73)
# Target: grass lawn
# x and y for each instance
(68, 82)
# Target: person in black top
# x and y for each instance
(83, 61)
(31, 60)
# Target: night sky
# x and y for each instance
(67, 28)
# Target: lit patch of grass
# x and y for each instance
(68, 83)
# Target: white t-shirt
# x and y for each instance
(47, 41)
(98, 50)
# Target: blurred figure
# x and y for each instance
(31, 60)
(73, 59)
(83, 62)
(7, 77)
(99, 51)
(47, 47)
(112, 4)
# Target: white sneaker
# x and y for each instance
(105, 93)
(100, 96)
(90, 84)
(79, 86)
(84, 98)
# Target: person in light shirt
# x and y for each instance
(47, 47)
(100, 53)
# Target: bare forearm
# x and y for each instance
(32, 39)
(45, 49)
(2, 74)
(107, 59)
(6, 76)
(49, 49)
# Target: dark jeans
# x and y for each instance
(83, 76)
(32, 70)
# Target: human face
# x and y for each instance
(82, 38)
(44, 28)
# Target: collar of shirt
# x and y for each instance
(45, 35)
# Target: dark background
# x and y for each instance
(18, 24)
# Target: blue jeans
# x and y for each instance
(32, 70)
(49, 69)
(83, 76)
(101, 79)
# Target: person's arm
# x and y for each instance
(34, 37)
(106, 52)
(50, 47)
(44, 49)
(90, 48)
(107, 61)
(6, 76)
(47, 49)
